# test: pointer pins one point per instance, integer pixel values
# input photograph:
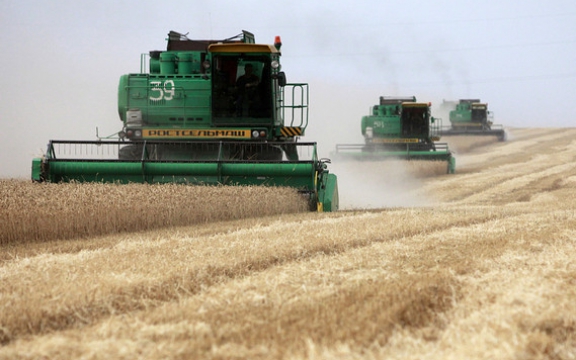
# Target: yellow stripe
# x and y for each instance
(291, 131)
(241, 48)
(196, 133)
(411, 104)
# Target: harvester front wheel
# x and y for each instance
(130, 152)
(257, 152)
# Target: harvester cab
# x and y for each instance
(204, 112)
(471, 117)
(398, 128)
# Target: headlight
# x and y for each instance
(259, 134)
(275, 64)
(369, 133)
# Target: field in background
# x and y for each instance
(481, 269)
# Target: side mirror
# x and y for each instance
(282, 78)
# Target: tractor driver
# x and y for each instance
(246, 86)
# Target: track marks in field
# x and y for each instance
(360, 296)
(520, 148)
(542, 168)
(75, 290)
(521, 188)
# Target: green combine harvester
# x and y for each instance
(471, 117)
(398, 128)
(206, 112)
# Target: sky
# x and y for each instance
(62, 60)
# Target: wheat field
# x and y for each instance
(474, 265)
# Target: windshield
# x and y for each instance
(241, 87)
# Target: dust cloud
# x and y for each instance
(335, 118)
(381, 184)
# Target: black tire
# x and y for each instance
(130, 152)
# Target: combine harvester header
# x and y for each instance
(210, 112)
(398, 128)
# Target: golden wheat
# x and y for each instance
(485, 271)
(32, 212)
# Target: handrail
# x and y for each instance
(296, 104)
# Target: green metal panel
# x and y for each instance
(181, 102)
(452, 165)
(328, 193)
(383, 126)
(82, 168)
(123, 97)
(154, 65)
(94, 169)
(184, 63)
(133, 94)
(274, 174)
(460, 116)
(167, 63)
(287, 169)
(37, 169)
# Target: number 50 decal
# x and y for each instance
(165, 91)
